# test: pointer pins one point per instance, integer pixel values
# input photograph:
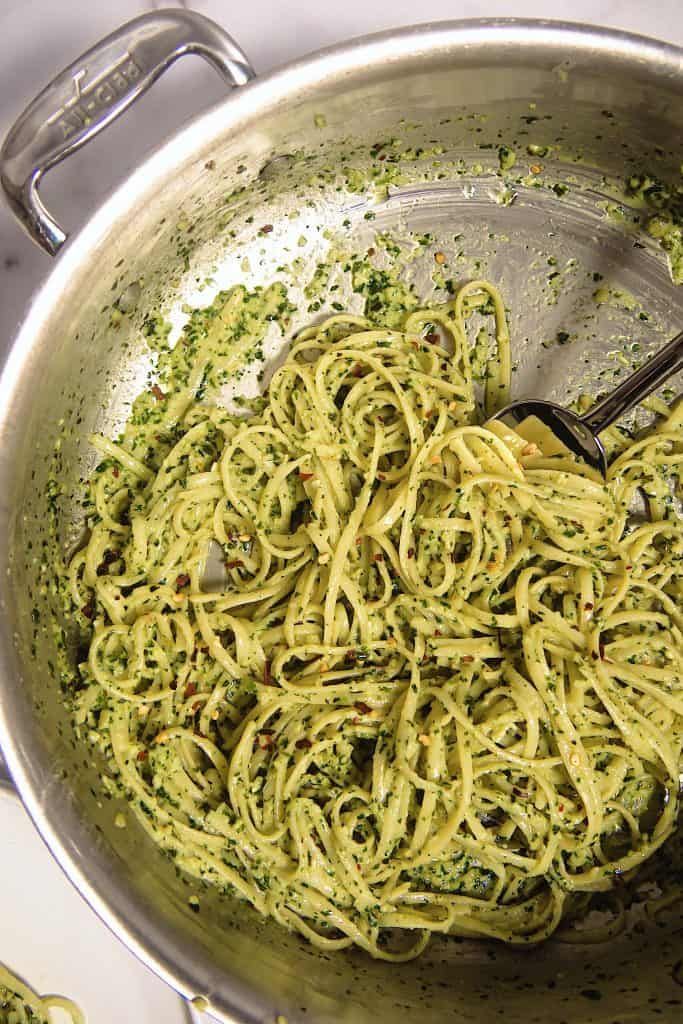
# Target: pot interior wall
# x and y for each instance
(315, 166)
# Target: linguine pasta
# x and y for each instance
(20, 1005)
(376, 667)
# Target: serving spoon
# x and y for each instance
(579, 434)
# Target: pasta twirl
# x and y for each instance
(20, 1005)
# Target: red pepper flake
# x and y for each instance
(432, 337)
(589, 606)
(89, 609)
(357, 370)
(378, 558)
(267, 678)
(264, 738)
(468, 658)
(234, 564)
(303, 744)
(143, 755)
(362, 707)
(116, 471)
(381, 476)
(411, 552)
(382, 156)
(158, 393)
(437, 632)
(190, 690)
(371, 251)
(181, 581)
(197, 706)
(560, 808)
(266, 229)
(628, 568)
(306, 476)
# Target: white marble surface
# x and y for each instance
(38, 37)
(49, 935)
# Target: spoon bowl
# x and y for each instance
(564, 428)
(557, 430)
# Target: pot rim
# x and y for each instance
(468, 41)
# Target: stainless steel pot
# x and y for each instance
(608, 105)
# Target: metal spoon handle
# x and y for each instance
(636, 387)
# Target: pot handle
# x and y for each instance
(95, 90)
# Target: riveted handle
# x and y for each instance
(93, 91)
